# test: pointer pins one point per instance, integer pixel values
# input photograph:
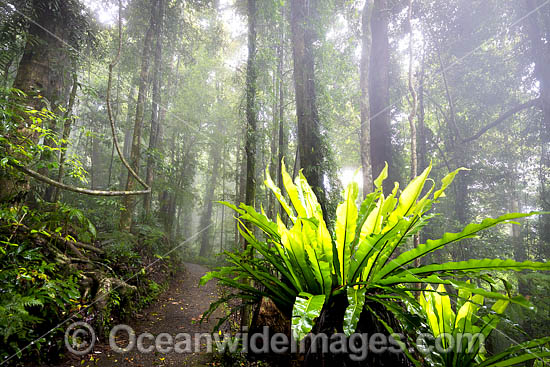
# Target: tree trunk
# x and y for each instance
(537, 30)
(40, 73)
(282, 141)
(422, 149)
(206, 218)
(223, 199)
(67, 124)
(330, 322)
(251, 115)
(364, 140)
(302, 22)
(97, 159)
(238, 179)
(155, 109)
(129, 202)
(273, 168)
(41, 68)
(379, 94)
(251, 122)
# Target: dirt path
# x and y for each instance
(178, 310)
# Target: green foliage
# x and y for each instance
(468, 330)
(307, 308)
(23, 129)
(301, 268)
(35, 292)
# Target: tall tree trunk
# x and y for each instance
(166, 196)
(238, 178)
(251, 115)
(186, 177)
(538, 28)
(129, 202)
(67, 124)
(128, 133)
(421, 131)
(155, 109)
(97, 160)
(422, 148)
(41, 68)
(364, 140)
(251, 124)
(414, 100)
(242, 177)
(223, 199)
(379, 94)
(214, 161)
(116, 119)
(302, 21)
(40, 73)
(280, 76)
(273, 168)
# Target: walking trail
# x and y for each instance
(178, 310)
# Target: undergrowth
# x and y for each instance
(43, 282)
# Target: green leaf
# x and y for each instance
(356, 300)
(307, 308)
(521, 358)
(446, 181)
(476, 265)
(431, 245)
(535, 343)
(382, 176)
(408, 197)
(346, 222)
(292, 192)
(278, 194)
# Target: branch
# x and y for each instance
(448, 93)
(71, 244)
(110, 112)
(503, 117)
(79, 190)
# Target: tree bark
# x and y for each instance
(206, 218)
(538, 28)
(379, 94)
(302, 22)
(155, 110)
(280, 76)
(364, 139)
(251, 114)
(97, 164)
(251, 121)
(421, 131)
(129, 202)
(414, 100)
(41, 68)
(273, 167)
(238, 178)
(67, 124)
(40, 76)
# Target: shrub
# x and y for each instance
(306, 267)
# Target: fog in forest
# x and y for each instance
(329, 168)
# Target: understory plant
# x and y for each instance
(460, 335)
(305, 267)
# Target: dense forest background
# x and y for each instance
(204, 97)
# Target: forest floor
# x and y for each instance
(178, 310)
